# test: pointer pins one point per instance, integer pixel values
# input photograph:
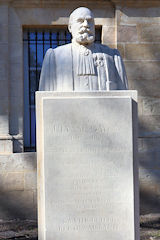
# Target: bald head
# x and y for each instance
(81, 26)
(81, 11)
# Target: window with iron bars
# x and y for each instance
(36, 42)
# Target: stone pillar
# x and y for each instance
(16, 79)
(5, 138)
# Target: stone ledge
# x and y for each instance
(135, 3)
(55, 3)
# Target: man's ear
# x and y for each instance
(69, 28)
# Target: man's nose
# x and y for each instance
(85, 23)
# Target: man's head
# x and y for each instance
(81, 26)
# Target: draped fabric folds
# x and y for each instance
(48, 74)
(99, 61)
(85, 64)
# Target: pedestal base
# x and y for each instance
(87, 169)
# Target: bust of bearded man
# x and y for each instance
(82, 65)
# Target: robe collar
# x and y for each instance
(85, 61)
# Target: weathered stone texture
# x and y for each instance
(151, 106)
(145, 87)
(149, 126)
(17, 92)
(153, 144)
(121, 48)
(149, 33)
(3, 14)
(30, 180)
(141, 15)
(17, 116)
(17, 204)
(60, 4)
(17, 186)
(127, 34)
(6, 146)
(16, 55)
(3, 33)
(142, 61)
(142, 51)
(147, 71)
(59, 16)
(16, 78)
(11, 181)
(4, 115)
(108, 35)
(18, 145)
(18, 162)
(149, 158)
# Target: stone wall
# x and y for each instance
(18, 195)
(138, 39)
(133, 27)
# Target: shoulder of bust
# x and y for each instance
(49, 52)
(107, 50)
(62, 48)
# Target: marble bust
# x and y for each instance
(82, 65)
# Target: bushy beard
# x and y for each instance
(85, 36)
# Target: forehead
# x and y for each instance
(82, 13)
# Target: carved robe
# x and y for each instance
(74, 67)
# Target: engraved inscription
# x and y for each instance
(89, 167)
(92, 224)
(61, 130)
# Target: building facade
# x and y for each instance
(27, 29)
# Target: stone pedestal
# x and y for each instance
(87, 166)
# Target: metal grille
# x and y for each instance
(36, 42)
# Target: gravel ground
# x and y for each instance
(18, 229)
(150, 227)
(27, 230)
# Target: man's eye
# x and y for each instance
(80, 20)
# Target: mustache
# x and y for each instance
(84, 38)
(84, 30)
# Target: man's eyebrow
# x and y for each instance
(82, 18)
(88, 17)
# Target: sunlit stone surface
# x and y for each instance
(87, 169)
